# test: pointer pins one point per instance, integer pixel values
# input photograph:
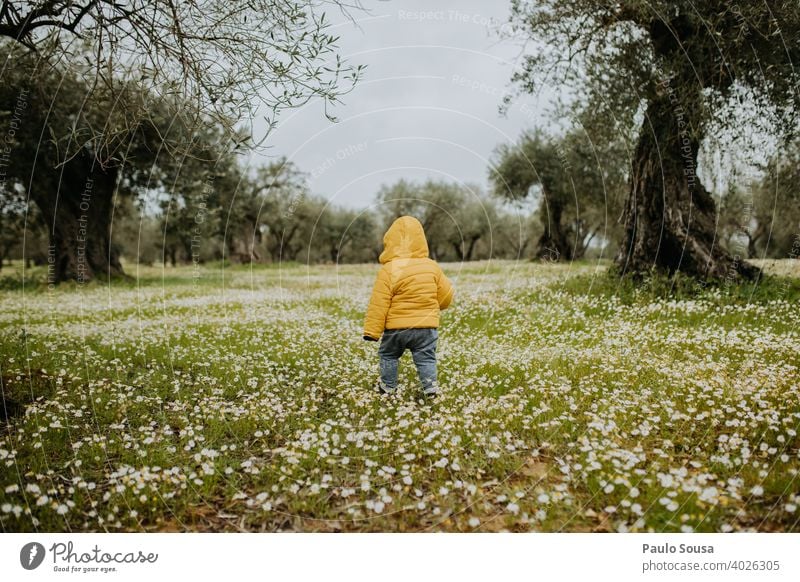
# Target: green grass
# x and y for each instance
(571, 401)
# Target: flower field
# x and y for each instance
(241, 400)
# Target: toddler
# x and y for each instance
(403, 311)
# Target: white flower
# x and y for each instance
(709, 494)
(474, 522)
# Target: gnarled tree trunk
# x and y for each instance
(464, 250)
(77, 201)
(670, 218)
(554, 244)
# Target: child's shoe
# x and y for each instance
(430, 390)
(431, 395)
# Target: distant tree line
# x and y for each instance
(270, 216)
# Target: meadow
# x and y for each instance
(240, 399)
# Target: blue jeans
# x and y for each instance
(422, 343)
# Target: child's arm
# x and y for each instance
(444, 291)
(378, 307)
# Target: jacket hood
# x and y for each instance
(405, 239)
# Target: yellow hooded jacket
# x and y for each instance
(410, 288)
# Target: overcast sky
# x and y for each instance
(426, 107)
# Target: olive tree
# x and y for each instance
(576, 181)
(217, 63)
(76, 183)
(672, 67)
(231, 58)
